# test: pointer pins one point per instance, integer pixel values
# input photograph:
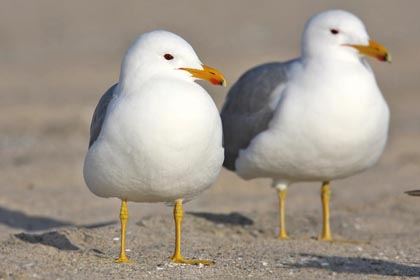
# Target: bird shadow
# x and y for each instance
(98, 225)
(356, 265)
(17, 219)
(20, 220)
(59, 240)
(53, 239)
(233, 218)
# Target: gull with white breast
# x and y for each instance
(156, 135)
(319, 117)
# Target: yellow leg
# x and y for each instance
(123, 217)
(282, 197)
(177, 257)
(325, 197)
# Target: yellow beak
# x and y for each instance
(209, 74)
(375, 50)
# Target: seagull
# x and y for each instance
(319, 117)
(156, 135)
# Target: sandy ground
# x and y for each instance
(57, 58)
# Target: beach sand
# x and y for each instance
(56, 60)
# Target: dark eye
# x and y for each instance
(168, 56)
(334, 31)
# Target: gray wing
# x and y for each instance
(99, 115)
(247, 110)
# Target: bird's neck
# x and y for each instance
(132, 81)
(333, 64)
(329, 55)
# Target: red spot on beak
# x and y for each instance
(381, 58)
(215, 82)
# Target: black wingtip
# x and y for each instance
(413, 192)
(229, 162)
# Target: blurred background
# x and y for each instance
(58, 57)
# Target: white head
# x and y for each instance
(339, 34)
(164, 53)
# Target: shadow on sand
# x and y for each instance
(53, 239)
(357, 265)
(17, 219)
(233, 218)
